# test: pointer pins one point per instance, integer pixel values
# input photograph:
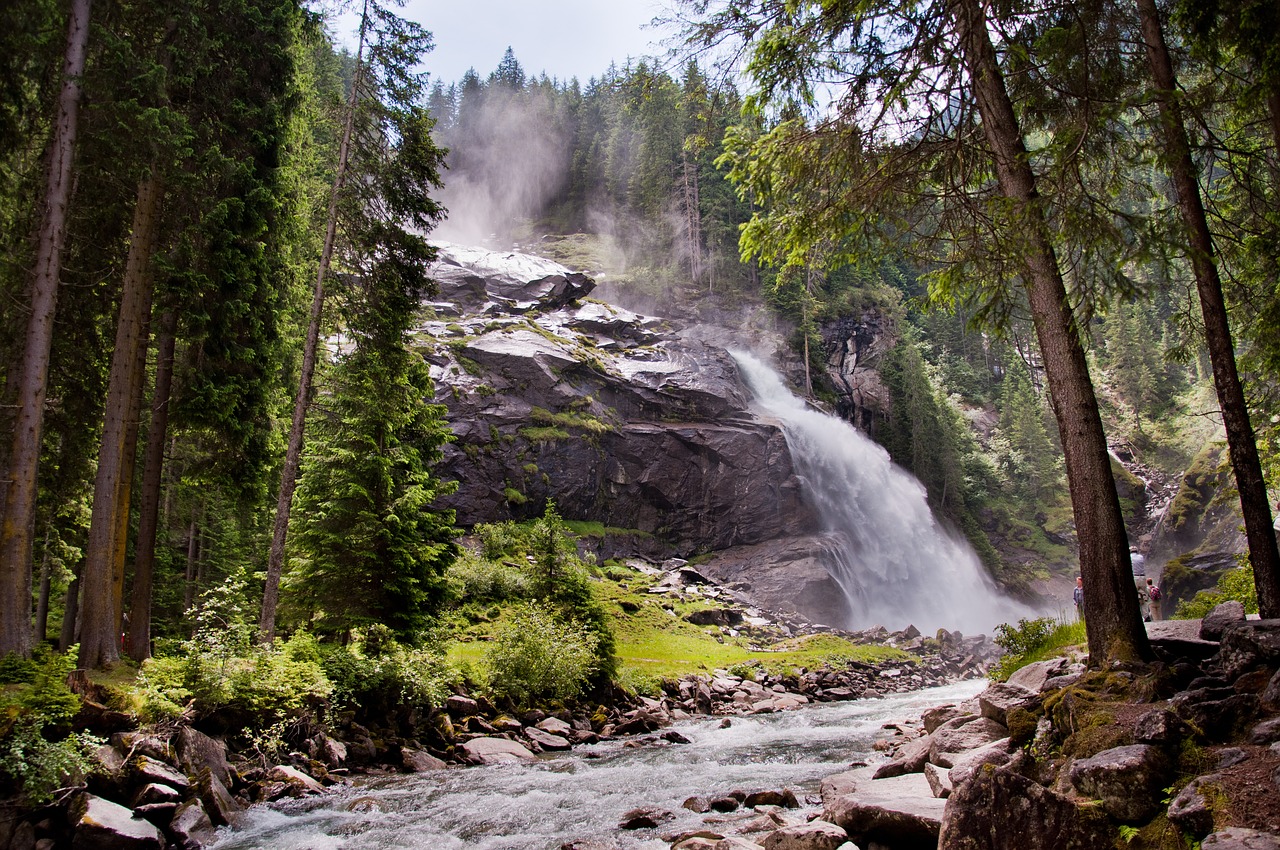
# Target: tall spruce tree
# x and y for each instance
(380, 205)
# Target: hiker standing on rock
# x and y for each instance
(1078, 596)
(1153, 596)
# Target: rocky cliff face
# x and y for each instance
(622, 419)
(852, 346)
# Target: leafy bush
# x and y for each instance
(1033, 640)
(1234, 585)
(537, 654)
(37, 755)
(36, 766)
(211, 673)
(41, 689)
(640, 682)
(376, 672)
(475, 579)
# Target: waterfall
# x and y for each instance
(888, 553)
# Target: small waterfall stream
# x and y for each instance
(584, 793)
(896, 564)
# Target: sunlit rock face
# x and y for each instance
(622, 419)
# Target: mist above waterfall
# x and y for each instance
(895, 563)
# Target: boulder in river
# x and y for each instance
(495, 751)
(100, 824)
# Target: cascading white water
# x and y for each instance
(896, 564)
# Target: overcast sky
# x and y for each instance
(565, 38)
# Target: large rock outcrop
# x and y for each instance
(619, 418)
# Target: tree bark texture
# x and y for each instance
(293, 456)
(103, 576)
(139, 640)
(18, 524)
(1112, 616)
(1241, 443)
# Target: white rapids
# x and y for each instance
(584, 793)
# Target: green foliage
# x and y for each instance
(475, 579)
(538, 654)
(38, 751)
(222, 668)
(1234, 585)
(36, 766)
(378, 674)
(37, 689)
(1033, 640)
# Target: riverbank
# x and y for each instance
(174, 785)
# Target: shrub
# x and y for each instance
(377, 673)
(474, 579)
(539, 655)
(1033, 640)
(267, 683)
(36, 766)
(37, 753)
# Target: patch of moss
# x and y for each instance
(1022, 726)
(544, 435)
(514, 496)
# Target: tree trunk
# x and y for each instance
(103, 576)
(41, 630)
(1241, 443)
(70, 615)
(193, 553)
(19, 502)
(289, 474)
(1112, 616)
(139, 647)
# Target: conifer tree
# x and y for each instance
(379, 207)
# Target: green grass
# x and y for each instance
(652, 643)
(1056, 639)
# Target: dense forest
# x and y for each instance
(1067, 213)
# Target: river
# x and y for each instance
(584, 793)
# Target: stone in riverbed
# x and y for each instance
(545, 739)
(495, 751)
(900, 813)
(645, 818)
(961, 735)
(815, 835)
(939, 779)
(299, 782)
(839, 784)
(99, 824)
(785, 798)
(1000, 698)
(191, 828)
(416, 761)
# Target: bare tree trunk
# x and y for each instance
(103, 576)
(289, 474)
(19, 501)
(193, 551)
(1241, 442)
(1113, 620)
(70, 615)
(139, 647)
(41, 630)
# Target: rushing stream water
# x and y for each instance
(584, 793)
(895, 563)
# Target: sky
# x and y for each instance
(565, 38)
